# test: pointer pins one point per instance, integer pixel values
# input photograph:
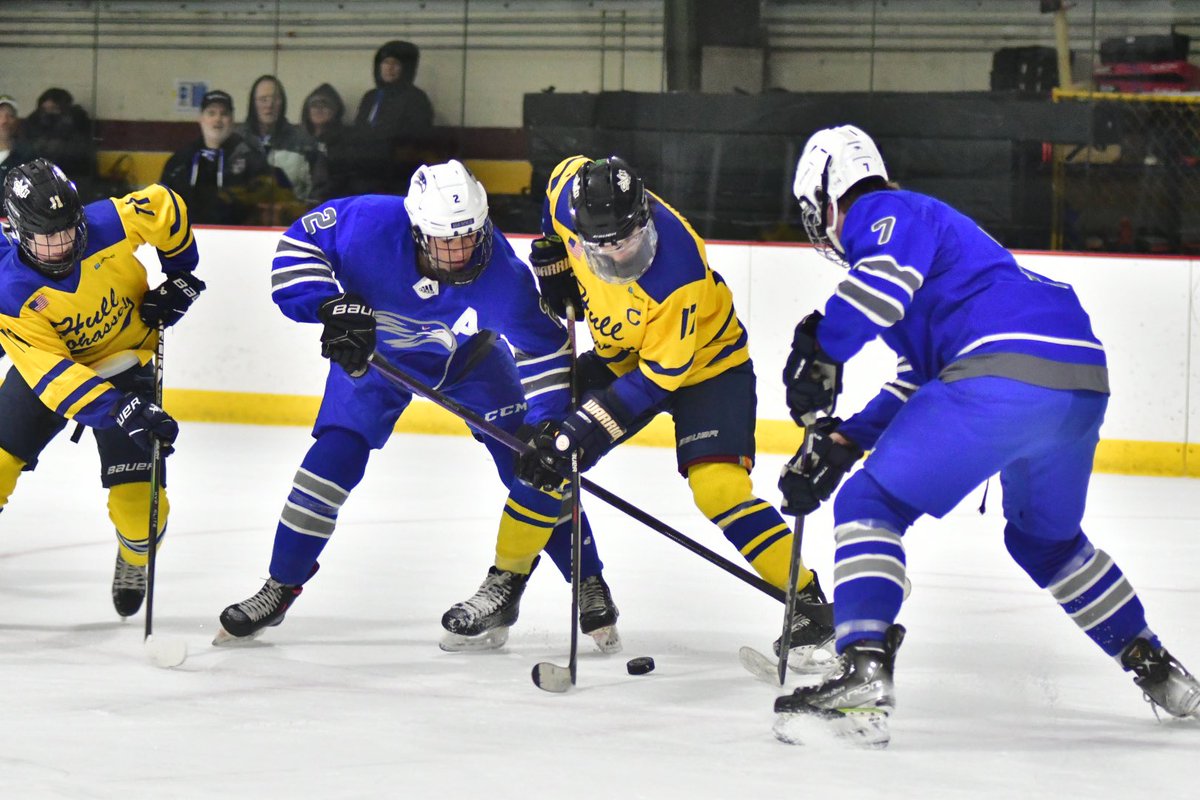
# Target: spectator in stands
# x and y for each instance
(287, 147)
(13, 151)
(60, 131)
(323, 118)
(396, 117)
(215, 174)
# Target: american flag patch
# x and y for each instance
(39, 303)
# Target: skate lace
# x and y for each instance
(128, 576)
(493, 593)
(265, 602)
(593, 596)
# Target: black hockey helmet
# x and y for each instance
(611, 211)
(40, 200)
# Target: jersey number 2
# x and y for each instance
(323, 219)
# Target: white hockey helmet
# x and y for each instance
(448, 209)
(833, 160)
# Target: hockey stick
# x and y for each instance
(163, 652)
(402, 379)
(546, 675)
(789, 605)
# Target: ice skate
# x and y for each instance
(1163, 680)
(812, 647)
(245, 621)
(598, 614)
(856, 700)
(128, 587)
(482, 621)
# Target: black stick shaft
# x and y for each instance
(155, 482)
(513, 443)
(576, 515)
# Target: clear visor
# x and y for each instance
(626, 260)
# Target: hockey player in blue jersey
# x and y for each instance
(999, 371)
(428, 281)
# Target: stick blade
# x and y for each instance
(551, 677)
(166, 653)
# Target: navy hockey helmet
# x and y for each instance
(611, 212)
(46, 215)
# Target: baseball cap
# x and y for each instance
(5, 100)
(216, 96)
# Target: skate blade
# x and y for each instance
(488, 640)
(608, 640)
(861, 727)
(226, 639)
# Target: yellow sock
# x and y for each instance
(129, 510)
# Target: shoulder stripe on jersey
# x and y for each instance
(880, 308)
(888, 269)
(58, 369)
(1032, 337)
(178, 216)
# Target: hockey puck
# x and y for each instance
(640, 665)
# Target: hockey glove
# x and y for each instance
(813, 380)
(806, 485)
(589, 433)
(556, 281)
(143, 422)
(531, 468)
(349, 336)
(166, 304)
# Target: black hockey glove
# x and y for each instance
(589, 432)
(813, 380)
(806, 485)
(166, 304)
(556, 280)
(531, 468)
(349, 336)
(143, 422)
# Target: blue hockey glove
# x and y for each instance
(805, 485)
(813, 380)
(556, 280)
(349, 336)
(143, 422)
(167, 303)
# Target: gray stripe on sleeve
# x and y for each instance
(880, 311)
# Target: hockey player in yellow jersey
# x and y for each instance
(80, 324)
(667, 338)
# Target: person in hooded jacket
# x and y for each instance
(60, 131)
(288, 147)
(323, 117)
(396, 117)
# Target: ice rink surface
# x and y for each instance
(999, 695)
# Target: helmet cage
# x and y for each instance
(813, 212)
(45, 214)
(455, 260)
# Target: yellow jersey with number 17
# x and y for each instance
(676, 323)
(58, 333)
